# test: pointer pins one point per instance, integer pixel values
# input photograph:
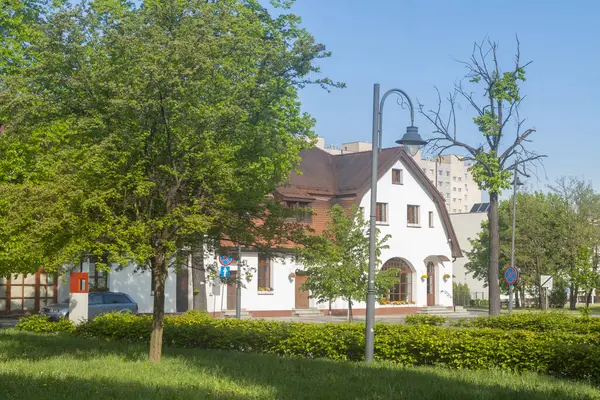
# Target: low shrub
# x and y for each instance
(423, 319)
(41, 324)
(536, 322)
(468, 348)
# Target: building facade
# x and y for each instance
(451, 176)
(422, 246)
(422, 242)
(467, 226)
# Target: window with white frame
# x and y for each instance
(382, 213)
(412, 215)
(397, 177)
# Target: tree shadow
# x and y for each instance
(288, 378)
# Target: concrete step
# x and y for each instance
(306, 312)
(231, 314)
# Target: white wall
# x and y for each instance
(282, 297)
(137, 284)
(415, 245)
(467, 226)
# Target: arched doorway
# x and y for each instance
(402, 290)
(430, 283)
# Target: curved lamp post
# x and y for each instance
(412, 142)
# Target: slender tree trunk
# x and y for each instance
(199, 276)
(159, 276)
(350, 310)
(573, 298)
(588, 298)
(517, 298)
(493, 269)
(523, 303)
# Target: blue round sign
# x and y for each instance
(225, 260)
(511, 275)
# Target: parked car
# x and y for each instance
(98, 303)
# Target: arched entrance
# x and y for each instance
(402, 291)
(430, 283)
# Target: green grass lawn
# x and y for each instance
(63, 367)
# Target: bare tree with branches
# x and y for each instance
(497, 114)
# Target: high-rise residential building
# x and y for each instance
(451, 176)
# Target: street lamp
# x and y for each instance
(411, 142)
(516, 182)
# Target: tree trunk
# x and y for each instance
(517, 299)
(523, 303)
(350, 310)
(493, 269)
(159, 276)
(199, 276)
(573, 297)
(588, 298)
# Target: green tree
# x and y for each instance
(536, 243)
(559, 294)
(337, 260)
(493, 160)
(578, 208)
(139, 130)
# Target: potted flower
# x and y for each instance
(291, 276)
(265, 290)
(446, 277)
(424, 276)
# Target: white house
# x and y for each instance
(410, 209)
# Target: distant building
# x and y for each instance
(467, 226)
(451, 176)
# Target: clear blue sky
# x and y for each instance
(411, 45)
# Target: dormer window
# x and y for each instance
(302, 213)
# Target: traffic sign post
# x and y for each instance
(225, 272)
(225, 260)
(511, 276)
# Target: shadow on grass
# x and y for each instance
(288, 377)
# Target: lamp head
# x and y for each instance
(412, 141)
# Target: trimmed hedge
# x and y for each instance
(424, 319)
(41, 324)
(562, 354)
(536, 322)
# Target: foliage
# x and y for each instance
(537, 322)
(38, 366)
(545, 351)
(558, 295)
(461, 294)
(496, 111)
(41, 324)
(140, 129)
(423, 319)
(337, 260)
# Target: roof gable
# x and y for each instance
(349, 176)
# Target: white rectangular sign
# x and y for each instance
(546, 281)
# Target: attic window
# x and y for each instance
(397, 177)
(302, 213)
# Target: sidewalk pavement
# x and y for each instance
(8, 322)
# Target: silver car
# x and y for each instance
(98, 303)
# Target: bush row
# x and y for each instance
(557, 353)
(536, 322)
(424, 319)
(41, 324)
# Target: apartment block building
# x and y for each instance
(451, 176)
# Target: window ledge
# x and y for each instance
(413, 225)
(266, 293)
(382, 223)
(397, 183)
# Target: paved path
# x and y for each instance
(8, 322)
